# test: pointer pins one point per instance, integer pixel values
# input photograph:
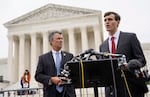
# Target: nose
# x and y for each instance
(106, 23)
(61, 39)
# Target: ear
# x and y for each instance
(118, 23)
(50, 43)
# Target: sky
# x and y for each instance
(135, 15)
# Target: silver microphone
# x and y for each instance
(106, 54)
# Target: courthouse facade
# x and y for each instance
(28, 35)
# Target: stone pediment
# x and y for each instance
(50, 11)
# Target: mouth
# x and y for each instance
(107, 25)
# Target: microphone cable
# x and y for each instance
(126, 83)
(82, 77)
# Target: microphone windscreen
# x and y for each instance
(134, 64)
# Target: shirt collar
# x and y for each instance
(116, 35)
(54, 52)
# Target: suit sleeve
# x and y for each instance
(39, 74)
(137, 50)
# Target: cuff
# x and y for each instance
(50, 83)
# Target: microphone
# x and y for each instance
(134, 64)
(95, 53)
(81, 55)
(134, 67)
(106, 54)
(86, 52)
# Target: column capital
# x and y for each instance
(45, 34)
(10, 37)
(45, 41)
(32, 34)
(96, 27)
(22, 34)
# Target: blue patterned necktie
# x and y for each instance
(58, 64)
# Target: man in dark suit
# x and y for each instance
(127, 44)
(48, 69)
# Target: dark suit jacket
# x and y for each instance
(129, 45)
(46, 69)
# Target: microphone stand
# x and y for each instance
(121, 63)
(114, 80)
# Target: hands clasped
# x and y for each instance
(58, 80)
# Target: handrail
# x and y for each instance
(21, 89)
(34, 92)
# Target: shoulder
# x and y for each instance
(45, 54)
(127, 33)
(105, 42)
(128, 36)
(67, 53)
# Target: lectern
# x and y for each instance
(96, 73)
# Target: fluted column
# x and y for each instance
(33, 59)
(71, 41)
(10, 59)
(84, 38)
(97, 37)
(21, 55)
(27, 52)
(46, 43)
(16, 59)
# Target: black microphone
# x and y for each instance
(86, 52)
(134, 64)
(95, 53)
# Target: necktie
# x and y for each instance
(58, 64)
(113, 48)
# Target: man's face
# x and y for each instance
(57, 41)
(111, 24)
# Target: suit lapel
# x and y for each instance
(119, 42)
(63, 54)
(51, 60)
(107, 46)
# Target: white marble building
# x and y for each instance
(28, 35)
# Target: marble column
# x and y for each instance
(21, 55)
(71, 35)
(27, 52)
(10, 59)
(33, 59)
(16, 59)
(84, 38)
(46, 43)
(97, 37)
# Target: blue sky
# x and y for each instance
(135, 14)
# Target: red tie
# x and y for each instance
(113, 48)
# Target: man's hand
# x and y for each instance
(57, 80)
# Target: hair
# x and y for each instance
(26, 72)
(117, 16)
(52, 34)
